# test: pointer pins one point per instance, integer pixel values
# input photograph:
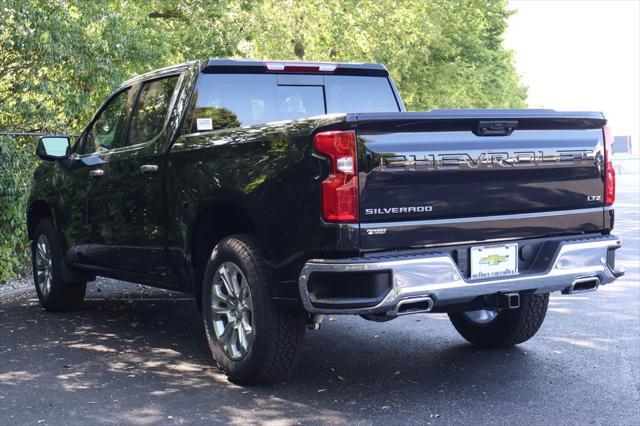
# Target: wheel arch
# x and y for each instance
(214, 221)
(38, 210)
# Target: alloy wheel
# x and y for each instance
(44, 265)
(232, 311)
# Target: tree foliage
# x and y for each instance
(15, 176)
(442, 54)
(60, 58)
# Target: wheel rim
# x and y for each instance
(44, 265)
(482, 316)
(232, 311)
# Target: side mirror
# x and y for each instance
(52, 148)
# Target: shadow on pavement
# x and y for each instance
(143, 359)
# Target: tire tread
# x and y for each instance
(283, 331)
(510, 328)
(64, 296)
(531, 319)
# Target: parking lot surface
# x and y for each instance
(134, 355)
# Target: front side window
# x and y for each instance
(108, 131)
(151, 110)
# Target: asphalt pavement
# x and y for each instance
(134, 355)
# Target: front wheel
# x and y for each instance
(55, 294)
(500, 329)
(252, 340)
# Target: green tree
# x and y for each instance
(60, 58)
(442, 54)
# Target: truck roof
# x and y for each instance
(268, 66)
(240, 66)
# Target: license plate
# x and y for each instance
(494, 261)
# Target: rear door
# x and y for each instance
(443, 180)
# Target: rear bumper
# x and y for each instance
(433, 276)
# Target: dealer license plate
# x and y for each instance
(494, 261)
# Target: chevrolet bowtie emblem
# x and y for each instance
(494, 259)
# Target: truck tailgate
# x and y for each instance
(452, 176)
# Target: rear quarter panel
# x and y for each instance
(270, 172)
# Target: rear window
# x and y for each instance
(238, 100)
(346, 93)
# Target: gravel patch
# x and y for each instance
(15, 287)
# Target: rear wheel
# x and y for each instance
(251, 339)
(54, 293)
(499, 329)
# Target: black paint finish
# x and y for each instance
(148, 227)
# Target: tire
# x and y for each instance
(272, 337)
(508, 328)
(54, 293)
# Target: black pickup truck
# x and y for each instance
(277, 193)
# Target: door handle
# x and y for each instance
(147, 168)
(96, 172)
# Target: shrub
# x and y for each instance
(16, 170)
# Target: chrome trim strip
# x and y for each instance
(431, 222)
(434, 274)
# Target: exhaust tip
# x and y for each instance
(414, 305)
(583, 285)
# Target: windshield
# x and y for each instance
(238, 100)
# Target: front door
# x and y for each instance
(130, 220)
(87, 173)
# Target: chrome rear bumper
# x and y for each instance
(433, 274)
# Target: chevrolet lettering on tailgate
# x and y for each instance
(487, 159)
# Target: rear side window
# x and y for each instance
(151, 110)
(238, 100)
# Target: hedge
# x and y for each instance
(17, 163)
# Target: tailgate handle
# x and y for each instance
(496, 128)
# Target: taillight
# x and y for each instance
(340, 188)
(609, 172)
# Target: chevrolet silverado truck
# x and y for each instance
(280, 192)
